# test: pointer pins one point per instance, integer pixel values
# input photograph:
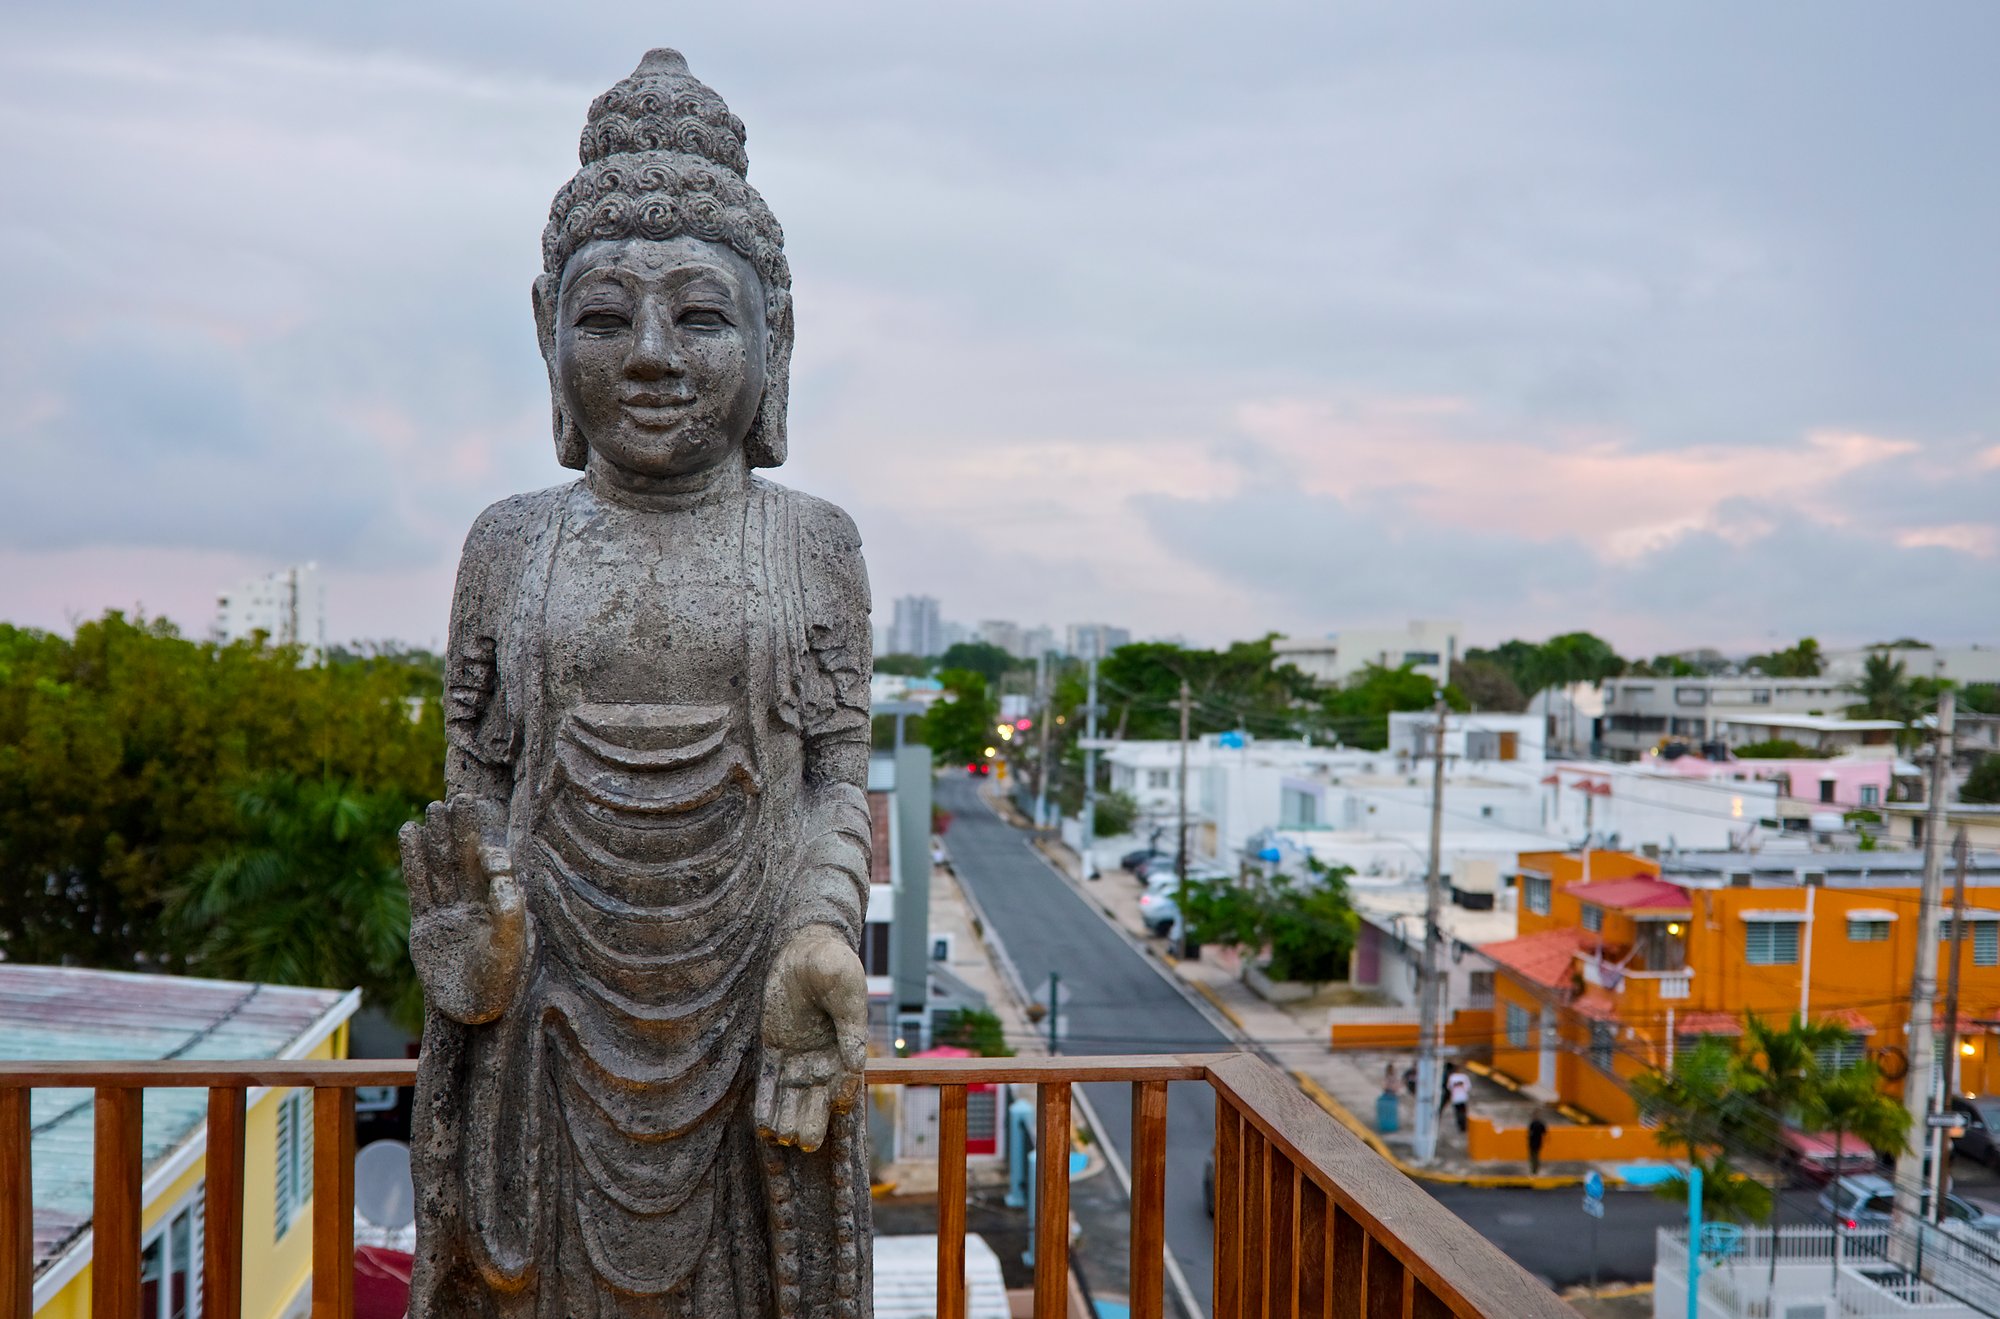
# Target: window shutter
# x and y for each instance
(303, 1121)
(282, 1215)
(196, 1264)
(1986, 944)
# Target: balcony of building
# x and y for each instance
(1308, 1220)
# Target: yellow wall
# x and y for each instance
(273, 1271)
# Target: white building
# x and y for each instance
(1001, 632)
(915, 628)
(1478, 736)
(287, 606)
(1641, 713)
(1965, 665)
(1425, 645)
(1095, 640)
(1826, 733)
(1389, 946)
(1573, 718)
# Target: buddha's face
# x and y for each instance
(660, 352)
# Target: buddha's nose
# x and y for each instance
(655, 352)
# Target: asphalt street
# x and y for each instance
(1117, 1003)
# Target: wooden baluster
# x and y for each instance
(951, 1202)
(1388, 1284)
(222, 1224)
(1315, 1246)
(17, 1205)
(1349, 1261)
(114, 1215)
(1282, 1290)
(1256, 1221)
(1147, 1285)
(333, 1203)
(1228, 1210)
(1052, 1200)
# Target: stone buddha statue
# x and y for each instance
(637, 917)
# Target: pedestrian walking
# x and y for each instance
(1410, 1080)
(1458, 1091)
(1538, 1131)
(1389, 1082)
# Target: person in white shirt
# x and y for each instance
(1458, 1093)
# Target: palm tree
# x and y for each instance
(1698, 1108)
(1851, 1101)
(1884, 689)
(1780, 1065)
(310, 894)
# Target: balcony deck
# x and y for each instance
(1308, 1221)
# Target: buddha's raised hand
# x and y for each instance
(468, 926)
(815, 1037)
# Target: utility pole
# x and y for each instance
(1425, 1134)
(1043, 694)
(1919, 1088)
(1088, 862)
(1055, 1010)
(1181, 852)
(1940, 1142)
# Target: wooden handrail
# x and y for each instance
(1308, 1219)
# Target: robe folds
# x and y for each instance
(589, 1152)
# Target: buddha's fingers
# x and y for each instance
(463, 820)
(416, 868)
(813, 1107)
(765, 1110)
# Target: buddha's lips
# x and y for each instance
(649, 402)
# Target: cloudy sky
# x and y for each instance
(1677, 322)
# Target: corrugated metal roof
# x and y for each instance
(70, 1014)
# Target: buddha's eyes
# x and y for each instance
(702, 318)
(603, 320)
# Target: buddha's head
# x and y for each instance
(664, 305)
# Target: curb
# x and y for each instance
(1608, 1293)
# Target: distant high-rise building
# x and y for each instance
(914, 628)
(1002, 633)
(288, 606)
(1036, 642)
(1096, 640)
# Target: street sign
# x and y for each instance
(1593, 1206)
(1593, 1184)
(1948, 1121)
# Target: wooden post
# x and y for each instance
(333, 1203)
(951, 1202)
(1052, 1200)
(17, 1205)
(1228, 1210)
(1149, 1198)
(114, 1221)
(222, 1225)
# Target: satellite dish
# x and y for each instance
(384, 1192)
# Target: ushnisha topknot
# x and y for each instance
(663, 157)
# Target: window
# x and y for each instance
(875, 948)
(295, 1158)
(1826, 787)
(1520, 1027)
(1760, 696)
(1479, 987)
(1690, 696)
(1420, 657)
(1297, 809)
(1603, 1043)
(943, 946)
(1593, 918)
(1536, 890)
(1847, 1053)
(1870, 794)
(1867, 929)
(1159, 778)
(1771, 943)
(170, 1262)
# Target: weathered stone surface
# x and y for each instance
(637, 917)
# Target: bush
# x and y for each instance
(1116, 814)
(1777, 748)
(1308, 927)
(1982, 785)
(977, 1029)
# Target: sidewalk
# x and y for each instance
(1346, 1084)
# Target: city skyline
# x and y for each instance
(1520, 331)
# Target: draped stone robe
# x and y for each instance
(589, 1153)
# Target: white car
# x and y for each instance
(1157, 905)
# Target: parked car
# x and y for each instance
(1869, 1201)
(1157, 907)
(1131, 861)
(1814, 1158)
(1982, 1119)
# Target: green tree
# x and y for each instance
(1570, 657)
(1776, 748)
(1804, 660)
(1699, 1111)
(1359, 712)
(1982, 785)
(908, 666)
(960, 727)
(1850, 1102)
(1487, 686)
(1116, 812)
(977, 1030)
(122, 751)
(1779, 1065)
(311, 894)
(1307, 926)
(981, 657)
(1885, 691)
(1239, 687)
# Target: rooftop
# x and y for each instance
(1638, 894)
(1855, 869)
(1543, 958)
(1816, 723)
(76, 1015)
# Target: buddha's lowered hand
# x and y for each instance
(468, 925)
(815, 1037)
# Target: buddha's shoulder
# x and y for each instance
(515, 520)
(823, 525)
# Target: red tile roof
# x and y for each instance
(1637, 894)
(1544, 959)
(1708, 1023)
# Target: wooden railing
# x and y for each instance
(1309, 1221)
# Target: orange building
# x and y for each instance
(1616, 968)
